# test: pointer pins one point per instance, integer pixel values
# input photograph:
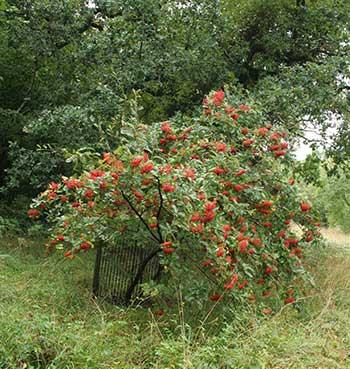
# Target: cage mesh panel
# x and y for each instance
(117, 267)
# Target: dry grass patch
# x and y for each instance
(336, 237)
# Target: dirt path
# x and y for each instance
(337, 238)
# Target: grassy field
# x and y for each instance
(47, 320)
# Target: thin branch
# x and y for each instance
(30, 88)
(159, 210)
(200, 269)
(140, 51)
(346, 200)
(140, 217)
(90, 23)
(301, 3)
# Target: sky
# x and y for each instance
(302, 151)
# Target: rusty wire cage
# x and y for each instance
(120, 270)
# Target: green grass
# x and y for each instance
(48, 320)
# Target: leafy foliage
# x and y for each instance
(290, 56)
(217, 187)
(332, 197)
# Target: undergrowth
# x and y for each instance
(48, 320)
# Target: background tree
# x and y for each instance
(73, 61)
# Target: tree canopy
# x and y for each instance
(69, 68)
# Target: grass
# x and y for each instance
(47, 320)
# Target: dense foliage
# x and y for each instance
(77, 61)
(332, 197)
(217, 188)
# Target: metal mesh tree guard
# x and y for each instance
(120, 270)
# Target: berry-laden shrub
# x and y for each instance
(217, 187)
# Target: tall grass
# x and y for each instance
(48, 320)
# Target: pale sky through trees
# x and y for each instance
(304, 149)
